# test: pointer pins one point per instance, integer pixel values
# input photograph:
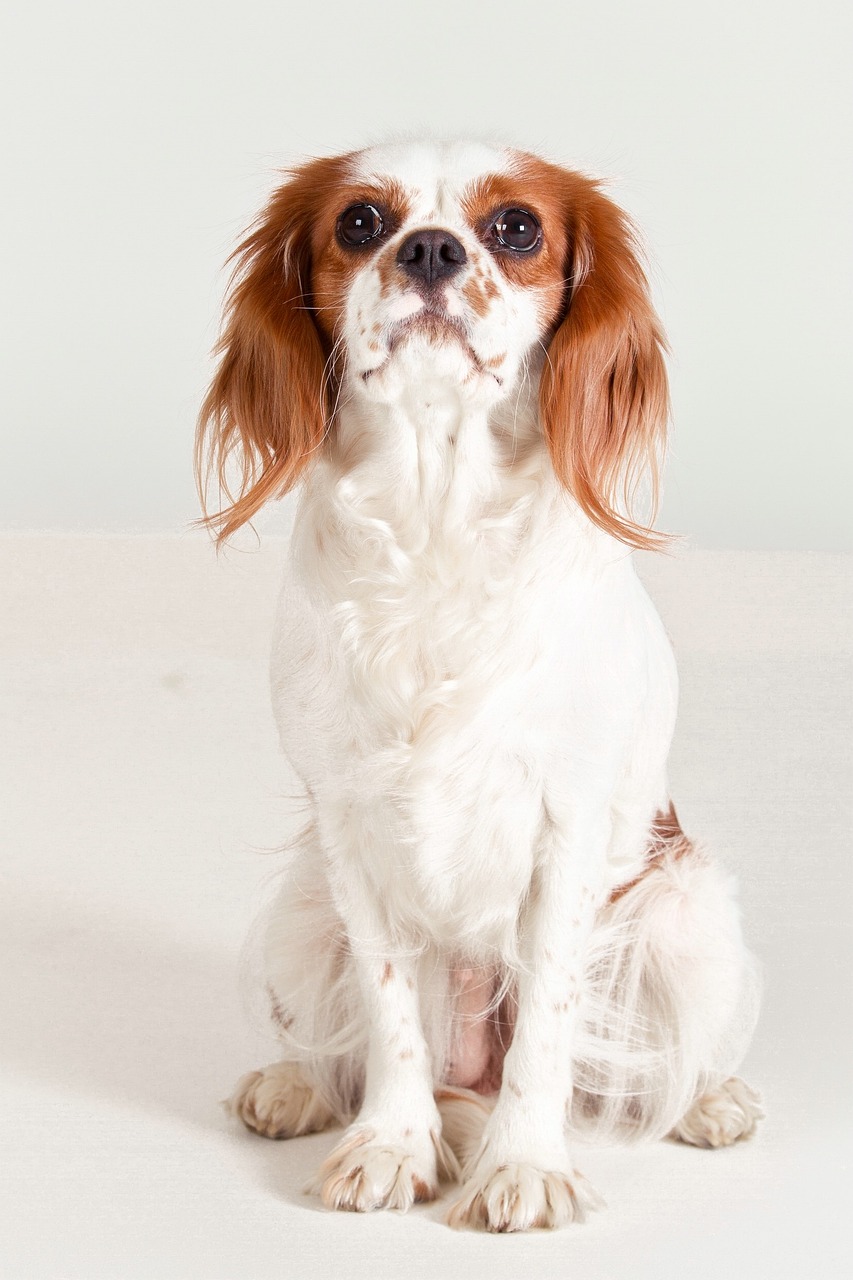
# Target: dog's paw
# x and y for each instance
(518, 1197)
(279, 1102)
(364, 1173)
(721, 1116)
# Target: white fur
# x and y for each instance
(479, 698)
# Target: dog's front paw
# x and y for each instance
(363, 1172)
(517, 1197)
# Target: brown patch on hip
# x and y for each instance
(666, 839)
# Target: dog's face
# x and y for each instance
(382, 271)
(441, 264)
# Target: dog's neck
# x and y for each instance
(424, 527)
(434, 463)
(412, 526)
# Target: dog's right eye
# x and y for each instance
(359, 223)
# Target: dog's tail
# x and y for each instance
(463, 1117)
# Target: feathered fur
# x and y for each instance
(492, 897)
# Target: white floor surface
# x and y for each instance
(141, 784)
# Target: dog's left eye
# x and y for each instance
(360, 223)
(517, 229)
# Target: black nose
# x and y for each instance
(428, 256)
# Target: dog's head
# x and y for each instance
(459, 263)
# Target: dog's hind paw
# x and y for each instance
(721, 1116)
(279, 1102)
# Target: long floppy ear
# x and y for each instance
(267, 409)
(604, 400)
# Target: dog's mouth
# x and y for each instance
(436, 326)
(433, 324)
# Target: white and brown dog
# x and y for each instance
(492, 933)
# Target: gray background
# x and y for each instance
(140, 138)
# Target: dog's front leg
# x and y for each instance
(393, 1154)
(522, 1175)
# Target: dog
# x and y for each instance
(493, 936)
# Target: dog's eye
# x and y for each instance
(359, 223)
(517, 229)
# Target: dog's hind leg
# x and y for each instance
(672, 1000)
(315, 1007)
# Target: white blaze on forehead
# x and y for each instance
(435, 175)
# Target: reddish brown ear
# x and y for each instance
(267, 409)
(604, 400)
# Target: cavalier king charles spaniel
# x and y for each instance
(493, 937)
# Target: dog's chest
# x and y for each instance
(434, 630)
(433, 637)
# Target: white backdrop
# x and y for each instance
(142, 137)
(141, 773)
